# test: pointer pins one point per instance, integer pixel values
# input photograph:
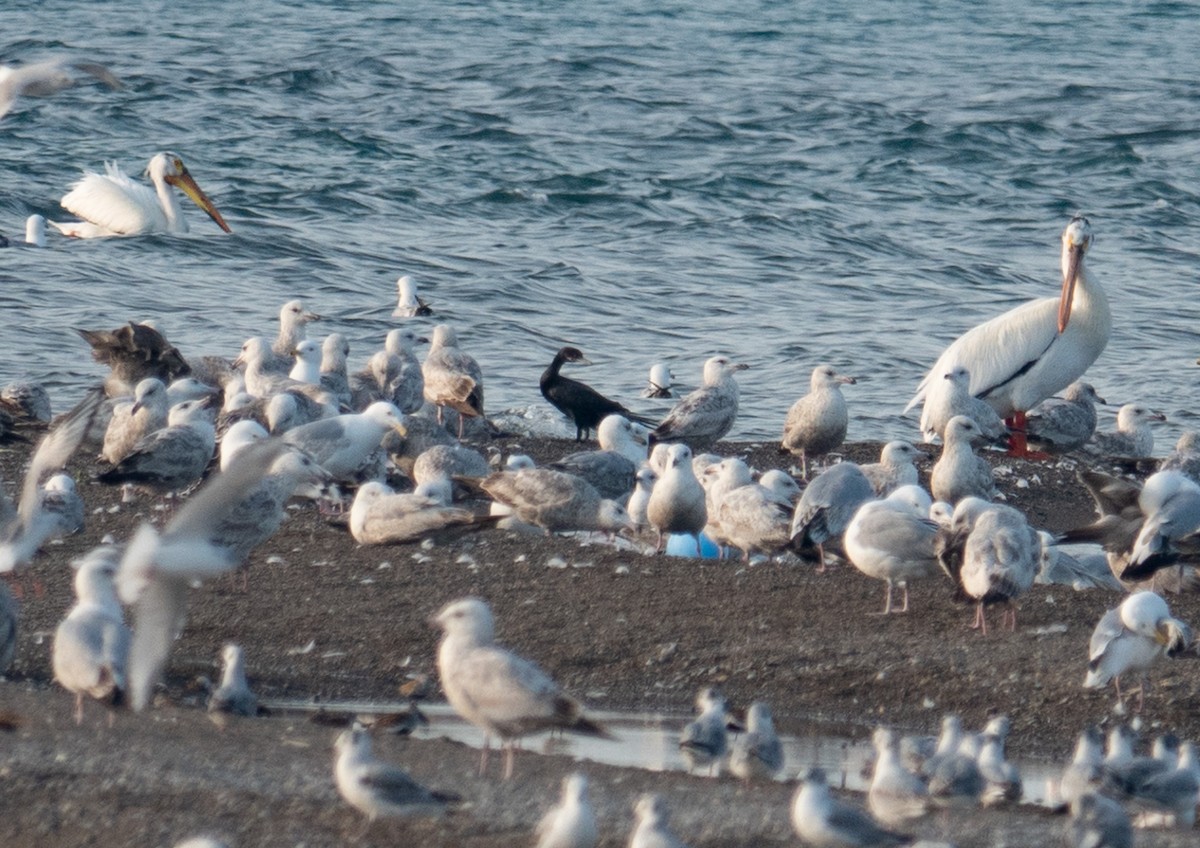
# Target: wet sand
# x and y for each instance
(325, 620)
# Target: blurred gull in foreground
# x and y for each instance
(822, 820)
(376, 788)
(572, 824)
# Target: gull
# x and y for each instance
(758, 516)
(956, 399)
(26, 400)
(954, 778)
(448, 462)
(572, 824)
(35, 230)
(1131, 638)
(408, 303)
(757, 753)
(1170, 502)
(1124, 773)
(1098, 822)
(555, 501)
(133, 420)
(677, 503)
(211, 534)
(345, 444)
(293, 329)
(25, 527)
(334, 377)
(704, 740)
(613, 468)
(237, 438)
(133, 353)
(891, 540)
(827, 507)
(91, 645)
(380, 517)
(189, 388)
(1171, 795)
(452, 378)
(1134, 438)
(1185, 458)
(1002, 780)
(263, 382)
(640, 499)
(895, 468)
(816, 424)
(1024, 356)
(659, 384)
(41, 79)
(405, 381)
(1090, 572)
(515, 462)
(173, 458)
(704, 417)
(653, 829)
(499, 692)
(959, 473)
(307, 355)
(896, 795)
(1086, 770)
(1000, 559)
(233, 695)
(111, 204)
(378, 789)
(291, 409)
(578, 401)
(822, 820)
(948, 741)
(719, 478)
(1059, 425)
(61, 499)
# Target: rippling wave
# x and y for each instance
(790, 185)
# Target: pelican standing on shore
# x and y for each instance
(111, 204)
(1024, 356)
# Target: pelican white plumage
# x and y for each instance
(112, 204)
(1022, 357)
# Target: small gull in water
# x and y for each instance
(173, 458)
(1059, 425)
(555, 501)
(35, 230)
(653, 829)
(572, 824)
(378, 789)
(892, 540)
(502, 694)
(704, 740)
(757, 753)
(1134, 438)
(896, 795)
(409, 304)
(824, 821)
(1130, 639)
(583, 405)
(677, 503)
(895, 468)
(452, 378)
(816, 424)
(659, 384)
(91, 645)
(703, 418)
(233, 695)
(956, 399)
(959, 473)
(826, 508)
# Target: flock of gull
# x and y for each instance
(230, 441)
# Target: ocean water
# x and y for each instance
(786, 183)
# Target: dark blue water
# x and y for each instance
(783, 182)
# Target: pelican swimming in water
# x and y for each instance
(112, 204)
(1024, 356)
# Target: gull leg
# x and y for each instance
(821, 552)
(904, 608)
(887, 600)
(510, 754)
(487, 745)
(79, 708)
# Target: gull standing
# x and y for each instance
(1000, 560)
(827, 507)
(677, 503)
(704, 417)
(376, 788)
(640, 499)
(956, 399)
(613, 468)
(757, 753)
(758, 516)
(822, 820)
(816, 424)
(653, 829)
(1024, 356)
(499, 692)
(91, 645)
(572, 824)
(238, 437)
(891, 540)
(959, 473)
(233, 695)
(705, 740)
(1134, 438)
(1059, 425)
(452, 378)
(1131, 638)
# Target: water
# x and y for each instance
(788, 183)
(650, 740)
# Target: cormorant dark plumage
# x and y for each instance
(578, 401)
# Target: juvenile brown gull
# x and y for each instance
(133, 353)
(1059, 425)
(816, 424)
(499, 692)
(956, 399)
(959, 473)
(702, 418)
(452, 378)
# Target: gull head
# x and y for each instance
(718, 368)
(826, 377)
(292, 315)
(470, 618)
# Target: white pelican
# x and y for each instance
(112, 204)
(1022, 357)
(41, 79)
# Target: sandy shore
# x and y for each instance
(324, 619)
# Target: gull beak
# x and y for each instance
(741, 366)
(187, 185)
(311, 316)
(133, 410)
(842, 378)
(1161, 635)
(1155, 415)
(639, 438)
(1070, 277)
(421, 340)
(920, 455)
